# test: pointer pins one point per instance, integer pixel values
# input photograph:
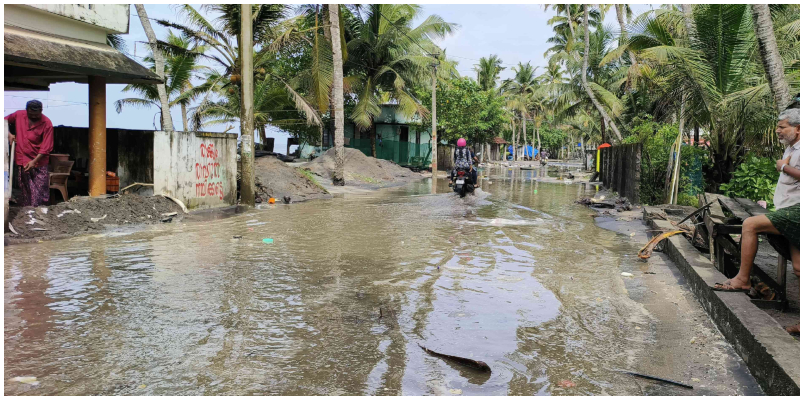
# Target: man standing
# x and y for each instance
(785, 220)
(34, 135)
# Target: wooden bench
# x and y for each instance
(724, 217)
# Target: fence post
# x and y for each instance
(638, 173)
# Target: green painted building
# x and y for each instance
(399, 139)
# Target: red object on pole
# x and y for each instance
(604, 145)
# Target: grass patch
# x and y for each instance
(310, 177)
(366, 179)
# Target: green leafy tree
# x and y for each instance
(389, 56)
(466, 110)
(488, 72)
(178, 72)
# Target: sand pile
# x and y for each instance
(85, 214)
(276, 179)
(360, 169)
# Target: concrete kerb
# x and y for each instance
(770, 353)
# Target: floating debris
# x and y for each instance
(268, 240)
(478, 365)
(98, 219)
(30, 380)
(627, 274)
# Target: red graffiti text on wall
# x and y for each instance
(208, 173)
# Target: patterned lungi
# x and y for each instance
(34, 185)
(787, 221)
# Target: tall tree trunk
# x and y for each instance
(373, 133)
(328, 36)
(569, 20)
(624, 31)
(513, 136)
(586, 86)
(524, 135)
(247, 195)
(337, 92)
(539, 139)
(771, 59)
(184, 117)
(533, 140)
(602, 130)
(697, 134)
(263, 138)
(159, 62)
(686, 9)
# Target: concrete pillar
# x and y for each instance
(97, 135)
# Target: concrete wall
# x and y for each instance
(129, 153)
(200, 168)
(89, 22)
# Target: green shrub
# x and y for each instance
(754, 179)
(657, 144)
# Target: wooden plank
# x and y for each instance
(733, 206)
(752, 207)
(724, 229)
(728, 244)
(714, 209)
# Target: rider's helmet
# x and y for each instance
(461, 142)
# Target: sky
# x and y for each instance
(515, 33)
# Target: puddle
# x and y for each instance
(338, 303)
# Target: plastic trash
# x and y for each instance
(31, 380)
(535, 191)
(566, 383)
(627, 274)
(271, 200)
(267, 240)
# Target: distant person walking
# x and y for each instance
(33, 133)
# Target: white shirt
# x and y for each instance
(788, 188)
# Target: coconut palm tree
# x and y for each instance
(518, 91)
(606, 120)
(337, 91)
(221, 38)
(488, 71)
(389, 55)
(723, 86)
(769, 51)
(178, 71)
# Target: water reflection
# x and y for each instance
(338, 303)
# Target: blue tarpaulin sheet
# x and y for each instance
(529, 151)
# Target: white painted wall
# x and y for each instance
(74, 21)
(200, 169)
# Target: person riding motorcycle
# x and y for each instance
(465, 158)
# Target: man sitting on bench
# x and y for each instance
(785, 220)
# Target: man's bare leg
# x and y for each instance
(749, 242)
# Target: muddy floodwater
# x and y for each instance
(516, 276)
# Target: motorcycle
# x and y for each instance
(461, 181)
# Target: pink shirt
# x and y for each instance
(31, 140)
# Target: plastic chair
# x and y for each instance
(58, 177)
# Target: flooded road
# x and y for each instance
(516, 276)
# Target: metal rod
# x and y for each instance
(684, 385)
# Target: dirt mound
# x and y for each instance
(276, 179)
(360, 169)
(76, 216)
